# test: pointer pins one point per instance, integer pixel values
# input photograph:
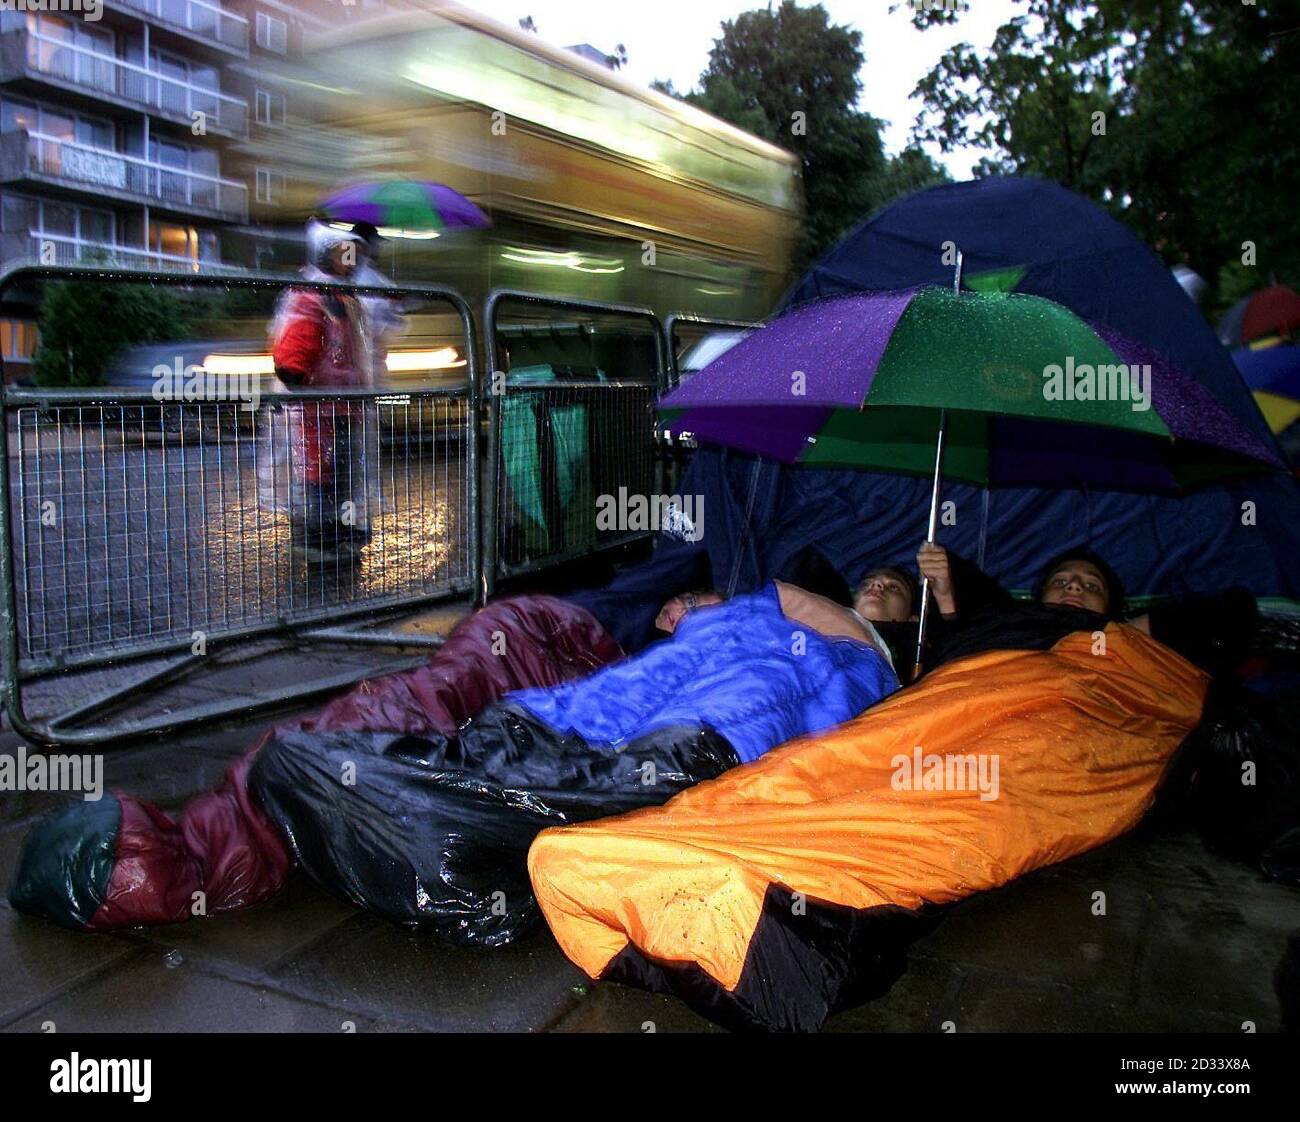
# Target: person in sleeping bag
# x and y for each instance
(1080, 591)
(433, 831)
(1076, 715)
(885, 594)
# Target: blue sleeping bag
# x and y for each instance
(742, 669)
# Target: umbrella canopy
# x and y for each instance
(406, 205)
(862, 381)
(1276, 369)
(1270, 311)
(1273, 374)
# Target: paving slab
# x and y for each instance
(42, 960)
(1047, 927)
(257, 940)
(920, 1001)
(381, 970)
(607, 1007)
(148, 995)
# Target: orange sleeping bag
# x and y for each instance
(788, 888)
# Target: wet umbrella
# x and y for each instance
(990, 388)
(405, 206)
(1270, 311)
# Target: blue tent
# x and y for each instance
(1030, 236)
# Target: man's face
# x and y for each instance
(882, 597)
(1078, 584)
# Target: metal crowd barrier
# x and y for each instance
(132, 527)
(564, 455)
(675, 320)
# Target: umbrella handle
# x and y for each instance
(934, 502)
(929, 537)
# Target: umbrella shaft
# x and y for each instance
(929, 537)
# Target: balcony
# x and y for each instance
(35, 157)
(105, 77)
(195, 19)
(40, 248)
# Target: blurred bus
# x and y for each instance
(598, 188)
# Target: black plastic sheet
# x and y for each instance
(433, 832)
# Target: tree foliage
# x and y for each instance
(1177, 115)
(789, 75)
(85, 324)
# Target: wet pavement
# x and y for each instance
(1188, 942)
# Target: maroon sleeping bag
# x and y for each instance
(122, 862)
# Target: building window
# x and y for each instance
(270, 186)
(64, 225)
(19, 214)
(200, 161)
(17, 340)
(96, 132)
(173, 240)
(270, 108)
(272, 34)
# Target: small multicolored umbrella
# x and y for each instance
(1270, 311)
(993, 388)
(1273, 374)
(410, 206)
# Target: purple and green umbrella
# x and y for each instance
(881, 371)
(408, 205)
(990, 387)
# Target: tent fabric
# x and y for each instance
(122, 862)
(784, 890)
(859, 520)
(1072, 252)
(1018, 235)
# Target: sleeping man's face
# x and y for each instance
(1077, 584)
(882, 596)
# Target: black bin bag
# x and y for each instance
(433, 832)
(1236, 780)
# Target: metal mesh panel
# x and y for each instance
(137, 524)
(560, 448)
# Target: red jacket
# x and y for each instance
(319, 339)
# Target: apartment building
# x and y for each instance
(113, 139)
(113, 133)
(147, 137)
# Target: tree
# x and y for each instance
(618, 59)
(908, 172)
(85, 324)
(1177, 115)
(528, 24)
(789, 75)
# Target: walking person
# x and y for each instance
(320, 340)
